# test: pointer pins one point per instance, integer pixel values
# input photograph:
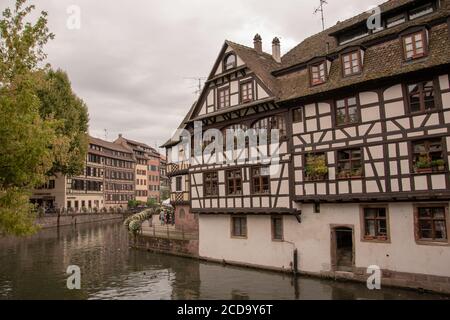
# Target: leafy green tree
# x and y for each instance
(59, 102)
(151, 203)
(35, 139)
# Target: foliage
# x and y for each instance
(423, 162)
(134, 226)
(316, 167)
(438, 163)
(59, 102)
(38, 117)
(165, 194)
(16, 214)
(151, 203)
(132, 204)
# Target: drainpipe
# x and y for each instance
(294, 258)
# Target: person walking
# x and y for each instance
(161, 217)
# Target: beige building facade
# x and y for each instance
(107, 182)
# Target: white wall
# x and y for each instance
(312, 239)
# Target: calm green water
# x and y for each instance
(34, 268)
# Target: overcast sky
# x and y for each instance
(130, 61)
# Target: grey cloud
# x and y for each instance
(130, 59)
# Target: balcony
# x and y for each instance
(179, 198)
(174, 169)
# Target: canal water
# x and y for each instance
(35, 268)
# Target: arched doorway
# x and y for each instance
(342, 248)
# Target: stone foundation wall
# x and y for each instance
(186, 248)
(72, 219)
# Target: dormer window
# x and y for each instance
(421, 11)
(229, 62)
(318, 73)
(415, 45)
(352, 63)
(395, 21)
(353, 35)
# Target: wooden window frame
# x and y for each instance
(210, 180)
(261, 178)
(272, 227)
(433, 242)
(422, 95)
(412, 35)
(427, 142)
(360, 65)
(232, 229)
(347, 121)
(226, 98)
(270, 125)
(234, 182)
(226, 66)
(250, 90)
(375, 239)
(351, 160)
(179, 180)
(312, 72)
(297, 111)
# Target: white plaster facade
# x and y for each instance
(312, 238)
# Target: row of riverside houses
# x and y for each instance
(115, 173)
(363, 177)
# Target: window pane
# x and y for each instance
(425, 229)
(371, 213)
(370, 228)
(425, 213)
(440, 230)
(382, 227)
(439, 213)
(353, 114)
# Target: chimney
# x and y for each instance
(257, 42)
(276, 50)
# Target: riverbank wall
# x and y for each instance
(74, 219)
(189, 249)
(179, 247)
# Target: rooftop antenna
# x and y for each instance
(106, 134)
(199, 86)
(320, 9)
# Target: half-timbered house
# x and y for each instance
(362, 176)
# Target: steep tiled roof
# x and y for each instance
(140, 144)
(316, 45)
(290, 78)
(381, 61)
(261, 63)
(108, 145)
